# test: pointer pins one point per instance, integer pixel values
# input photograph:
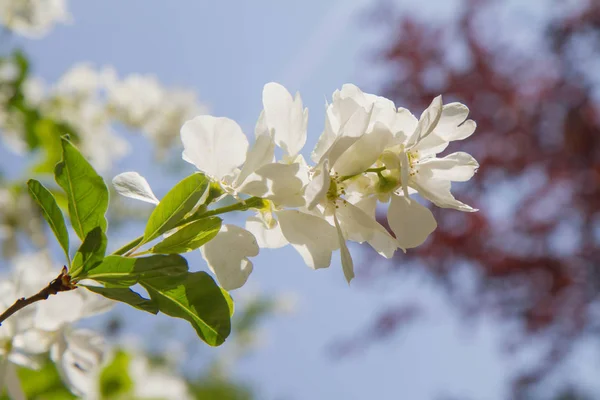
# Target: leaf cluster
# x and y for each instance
(161, 270)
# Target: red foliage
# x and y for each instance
(536, 241)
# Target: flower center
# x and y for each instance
(413, 160)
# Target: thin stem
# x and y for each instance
(128, 246)
(252, 202)
(62, 283)
(377, 170)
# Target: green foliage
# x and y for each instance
(199, 301)
(218, 388)
(39, 131)
(125, 271)
(180, 200)
(127, 296)
(194, 297)
(42, 384)
(52, 213)
(189, 237)
(86, 190)
(90, 253)
(114, 379)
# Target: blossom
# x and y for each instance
(219, 148)
(369, 151)
(352, 141)
(152, 382)
(420, 168)
(91, 100)
(33, 18)
(47, 327)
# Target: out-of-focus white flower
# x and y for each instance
(46, 326)
(79, 355)
(156, 382)
(33, 18)
(141, 102)
(91, 100)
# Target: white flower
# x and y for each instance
(45, 326)
(285, 117)
(420, 169)
(33, 18)
(348, 146)
(156, 382)
(227, 255)
(79, 355)
(219, 148)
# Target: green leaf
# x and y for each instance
(126, 271)
(198, 300)
(44, 382)
(189, 237)
(90, 253)
(86, 191)
(126, 295)
(52, 213)
(172, 208)
(115, 382)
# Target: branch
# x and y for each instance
(62, 283)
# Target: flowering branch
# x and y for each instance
(62, 283)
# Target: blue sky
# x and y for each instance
(226, 51)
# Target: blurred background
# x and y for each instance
(499, 304)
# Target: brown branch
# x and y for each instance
(62, 283)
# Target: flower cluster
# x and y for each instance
(370, 152)
(91, 100)
(33, 18)
(46, 327)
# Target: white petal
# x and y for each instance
(227, 256)
(261, 127)
(280, 183)
(427, 122)
(464, 131)
(78, 356)
(51, 315)
(267, 238)
(456, 167)
(317, 189)
(410, 221)
(364, 152)
(216, 146)
(135, 186)
(13, 384)
(368, 205)
(350, 133)
(453, 124)
(359, 227)
(405, 124)
(260, 153)
(93, 303)
(327, 137)
(438, 192)
(313, 237)
(33, 341)
(453, 114)
(431, 145)
(286, 117)
(347, 263)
